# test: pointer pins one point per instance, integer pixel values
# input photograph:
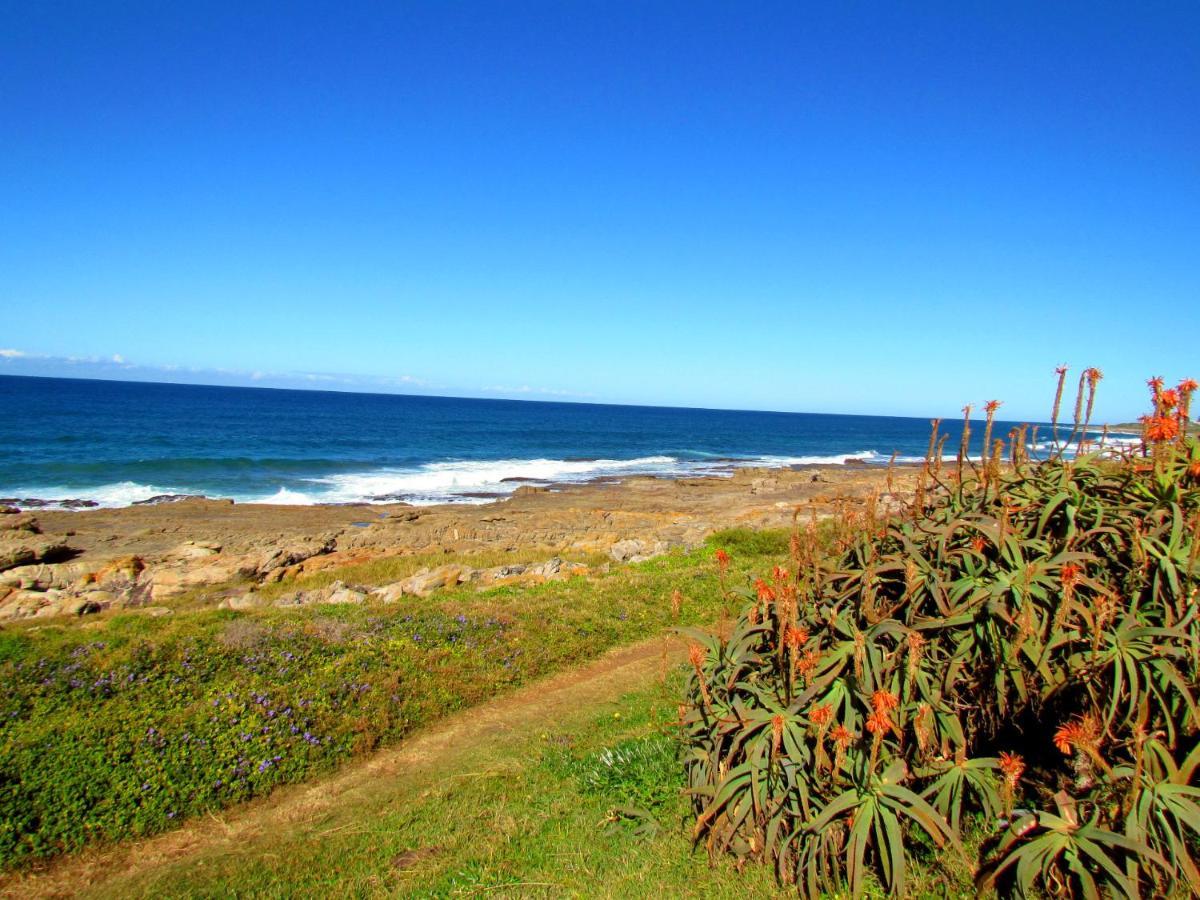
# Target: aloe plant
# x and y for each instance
(1018, 657)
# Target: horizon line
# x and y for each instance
(330, 390)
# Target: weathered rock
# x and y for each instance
(53, 603)
(200, 545)
(526, 490)
(156, 611)
(249, 600)
(16, 555)
(126, 568)
(334, 593)
(625, 550)
(390, 593)
(37, 503)
(425, 582)
(159, 499)
(21, 548)
(83, 606)
(290, 555)
(190, 550)
(22, 604)
(346, 595)
(15, 520)
(764, 485)
(634, 550)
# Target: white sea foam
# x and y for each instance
(284, 497)
(480, 481)
(834, 460)
(443, 481)
(121, 493)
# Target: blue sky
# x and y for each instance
(891, 208)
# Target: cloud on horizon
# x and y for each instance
(116, 367)
(20, 362)
(540, 391)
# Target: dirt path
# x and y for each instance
(445, 746)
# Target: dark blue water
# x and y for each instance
(119, 442)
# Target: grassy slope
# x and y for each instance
(527, 814)
(127, 726)
(532, 812)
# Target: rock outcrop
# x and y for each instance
(76, 563)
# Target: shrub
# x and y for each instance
(1016, 659)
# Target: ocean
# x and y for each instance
(115, 443)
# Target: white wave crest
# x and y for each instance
(449, 481)
(284, 497)
(109, 496)
(834, 460)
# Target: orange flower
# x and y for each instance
(1071, 573)
(794, 638)
(821, 715)
(884, 701)
(1187, 386)
(978, 543)
(779, 574)
(722, 559)
(696, 656)
(1012, 765)
(764, 590)
(808, 662)
(1194, 469)
(1169, 399)
(1080, 734)
(1093, 375)
(1159, 429)
(878, 723)
(841, 736)
(1156, 384)
(992, 405)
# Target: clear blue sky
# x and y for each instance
(891, 208)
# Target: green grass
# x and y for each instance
(742, 542)
(126, 725)
(533, 814)
(529, 815)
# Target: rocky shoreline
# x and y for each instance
(56, 563)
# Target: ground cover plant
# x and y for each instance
(125, 726)
(530, 812)
(1006, 676)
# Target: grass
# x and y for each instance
(541, 813)
(529, 815)
(125, 726)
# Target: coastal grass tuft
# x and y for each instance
(753, 542)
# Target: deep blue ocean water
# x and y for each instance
(120, 442)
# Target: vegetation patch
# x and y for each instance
(127, 725)
(1006, 678)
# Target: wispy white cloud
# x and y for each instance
(539, 391)
(101, 366)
